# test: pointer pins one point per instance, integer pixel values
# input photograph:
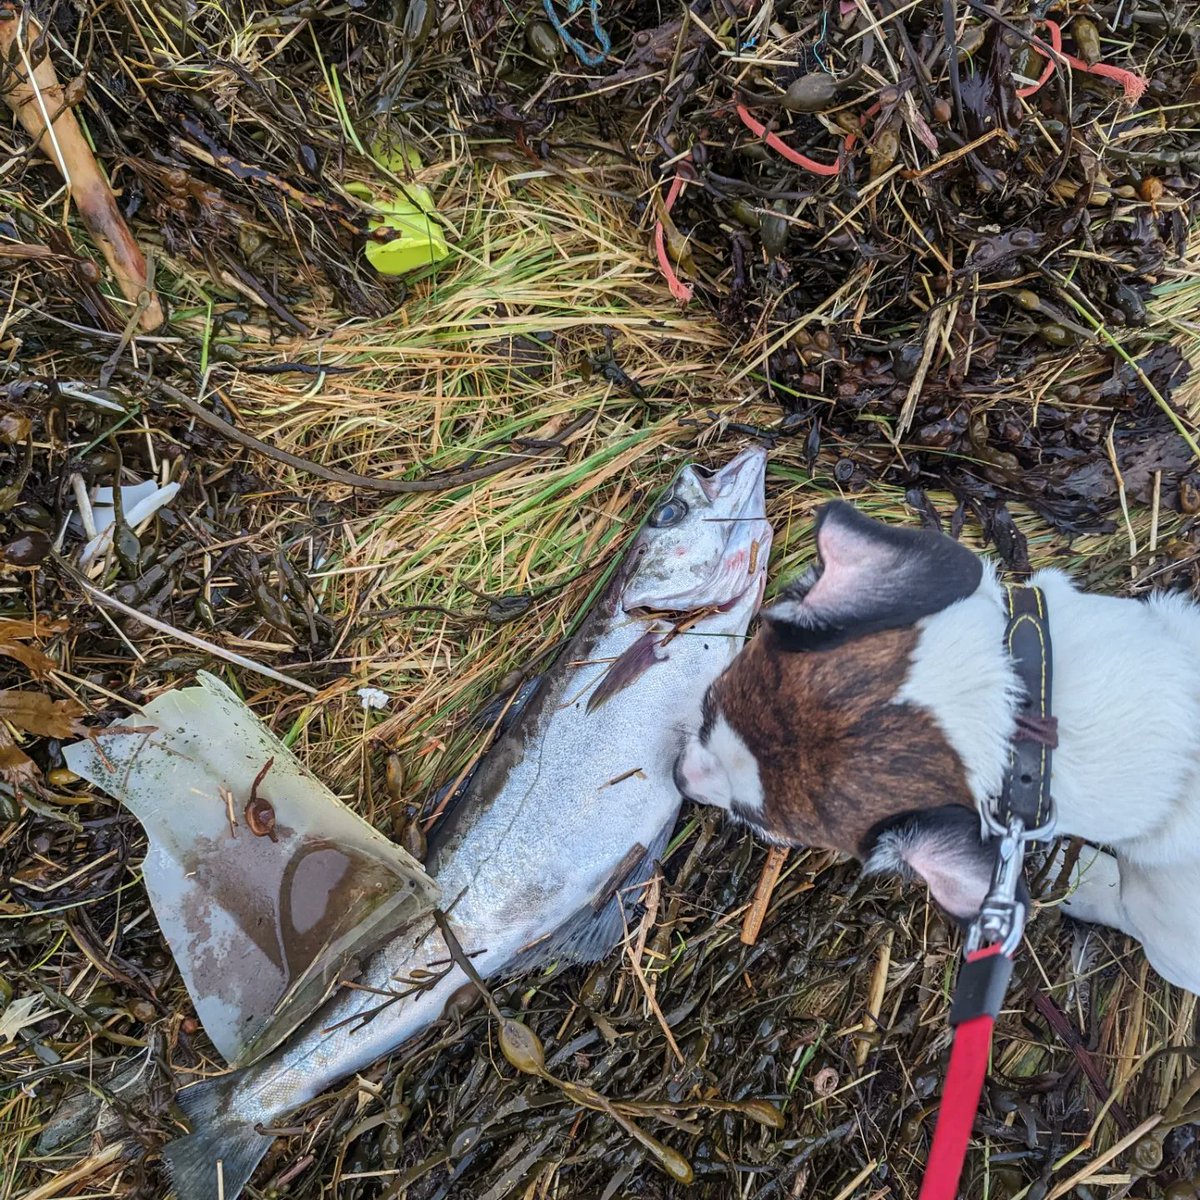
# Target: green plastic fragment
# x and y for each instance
(417, 239)
(397, 159)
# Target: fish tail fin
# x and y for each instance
(218, 1157)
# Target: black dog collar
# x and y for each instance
(1026, 790)
(1023, 812)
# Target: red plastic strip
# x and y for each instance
(781, 147)
(680, 290)
(1134, 85)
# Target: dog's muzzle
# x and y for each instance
(678, 776)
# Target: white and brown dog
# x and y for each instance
(872, 714)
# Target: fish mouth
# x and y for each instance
(738, 481)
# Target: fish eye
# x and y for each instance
(670, 512)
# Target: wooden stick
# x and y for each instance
(874, 1000)
(39, 102)
(762, 896)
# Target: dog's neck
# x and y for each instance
(1124, 742)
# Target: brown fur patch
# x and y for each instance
(835, 756)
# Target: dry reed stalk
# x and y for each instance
(752, 925)
(875, 1000)
(41, 104)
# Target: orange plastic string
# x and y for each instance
(781, 147)
(1134, 85)
(1051, 59)
(680, 290)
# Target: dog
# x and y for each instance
(872, 713)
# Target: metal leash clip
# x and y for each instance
(1002, 917)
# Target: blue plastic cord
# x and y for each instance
(816, 48)
(581, 52)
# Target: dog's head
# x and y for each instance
(838, 726)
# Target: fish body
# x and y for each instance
(562, 820)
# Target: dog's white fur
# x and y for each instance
(939, 860)
(722, 771)
(1126, 773)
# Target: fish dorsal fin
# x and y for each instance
(266, 886)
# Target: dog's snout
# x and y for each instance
(679, 777)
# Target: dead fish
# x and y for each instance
(526, 860)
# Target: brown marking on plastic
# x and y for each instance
(292, 898)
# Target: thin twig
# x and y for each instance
(189, 639)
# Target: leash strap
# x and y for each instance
(1023, 813)
(978, 996)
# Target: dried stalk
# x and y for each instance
(757, 912)
(40, 104)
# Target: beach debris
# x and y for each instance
(267, 887)
(542, 859)
(372, 697)
(664, 225)
(406, 234)
(589, 58)
(98, 516)
(45, 108)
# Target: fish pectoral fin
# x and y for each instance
(589, 934)
(630, 667)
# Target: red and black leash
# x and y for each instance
(1023, 814)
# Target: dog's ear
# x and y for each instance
(872, 577)
(945, 848)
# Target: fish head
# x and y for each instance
(706, 542)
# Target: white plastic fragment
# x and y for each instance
(80, 391)
(373, 697)
(266, 886)
(140, 502)
(94, 509)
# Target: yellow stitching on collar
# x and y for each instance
(1042, 699)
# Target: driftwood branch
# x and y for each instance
(39, 101)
